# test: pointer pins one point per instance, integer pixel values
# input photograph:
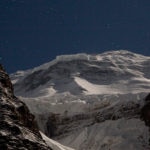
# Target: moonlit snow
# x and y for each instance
(83, 84)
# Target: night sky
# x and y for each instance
(33, 32)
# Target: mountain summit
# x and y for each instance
(115, 72)
(89, 101)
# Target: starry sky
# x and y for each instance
(33, 32)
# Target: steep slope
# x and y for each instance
(53, 144)
(17, 127)
(82, 99)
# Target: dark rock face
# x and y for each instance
(18, 129)
(145, 111)
(52, 124)
(58, 125)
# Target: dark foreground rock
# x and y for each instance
(18, 129)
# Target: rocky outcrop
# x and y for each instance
(145, 111)
(60, 125)
(18, 129)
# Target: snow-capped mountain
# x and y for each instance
(89, 101)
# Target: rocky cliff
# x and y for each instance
(18, 129)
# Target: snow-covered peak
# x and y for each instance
(90, 57)
(123, 56)
(108, 55)
(119, 71)
(81, 56)
(122, 52)
(94, 57)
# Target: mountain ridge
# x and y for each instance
(108, 68)
(79, 55)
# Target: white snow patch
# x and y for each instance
(53, 144)
(93, 89)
